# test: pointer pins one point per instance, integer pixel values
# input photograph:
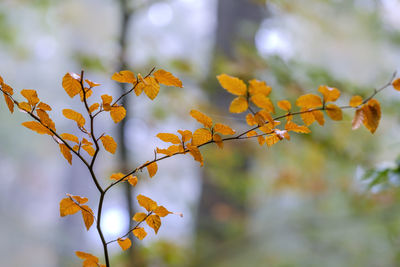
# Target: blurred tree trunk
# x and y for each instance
(222, 209)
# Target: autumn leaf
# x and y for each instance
(91, 83)
(250, 120)
(202, 118)
(396, 84)
(87, 216)
(309, 101)
(43, 106)
(140, 233)
(261, 140)
(284, 105)
(166, 78)
(71, 84)
(223, 129)
(263, 102)
(31, 96)
(68, 207)
(201, 136)
(88, 259)
(132, 180)
(9, 102)
(218, 140)
(186, 135)
(270, 140)
(75, 116)
(196, 154)
(152, 169)
(106, 102)
(154, 222)
(232, 84)
(66, 153)
(24, 106)
(291, 126)
(162, 211)
(259, 87)
(45, 119)
(372, 115)
(124, 76)
(251, 134)
(169, 138)
(109, 143)
(355, 101)
(319, 116)
(147, 203)
(307, 116)
(238, 105)
(6, 88)
(358, 119)
(79, 199)
(139, 216)
(37, 127)
(117, 113)
(330, 94)
(124, 243)
(94, 107)
(171, 150)
(334, 112)
(150, 87)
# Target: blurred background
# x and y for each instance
(330, 198)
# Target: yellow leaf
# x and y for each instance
(284, 105)
(37, 127)
(201, 136)
(307, 116)
(116, 176)
(139, 216)
(238, 105)
(261, 140)
(31, 96)
(89, 259)
(167, 78)
(372, 115)
(250, 120)
(109, 143)
(66, 153)
(117, 113)
(70, 137)
(202, 118)
(68, 207)
(259, 87)
(319, 116)
(330, 94)
(43, 106)
(272, 139)
(355, 101)
(71, 84)
(196, 154)
(45, 119)
(171, 150)
(91, 83)
(151, 87)
(79, 199)
(152, 169)
(87, 216)
(223, 129)
(309, 101)
(89, 149)
(132, 180)
(154, 222)
(169, 138)
(334, 112)
(88, 93)
(75, 116)
(251, 134)
(124, 76)
(94, 107)
(106, 99)
(124, 243)
(162, 211)
(147, 203)
(263, 102)
(140, 233)
(9, 102)
(218, 140)
(291, 126)
(262, 116)
(358, 119)
(186, 135)
(396, 84)
(232, 84)
(24, 106)
(6, 88)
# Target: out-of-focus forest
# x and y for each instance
(330, 198)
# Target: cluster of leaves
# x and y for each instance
(253, 99)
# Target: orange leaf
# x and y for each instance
(309, 101)
(291, 126)
(124, 243)
(68, 207)
(152, 169)
(91, 83)
(250, 120)
(107, 99)
(355, 101)
(89, 259)
(31, 96)
(169, 138)
(43, 106)
(154, 222)
(396, 84)
(261, 140)
(201, 136)
(372, 115)
(151, 87)
(272, 139)
(238, 105)
(334, 112)
(251, 134)
(71, 84)
(196, 154)
(24, 106)
(202, 118)
(124, 76)
(223, 129)
(132, 180)
(186, 135)
(330, 94)
(66, 153)
(87, 216)
(232, 84)
(89, 149)
(218, 140)
(139, 216)
(358, 119)
(263, 102)
(307, 116)
(146, 203)
(284, 105)
(70, 137)
(259, 87)
(171, 150)
(117, 113)
(319, 116)
(6, 88)
(167, 78)
(37, 127)
(45, 119)
(9, 102)
(94, 107)
(109, 143)
(162, 211)
(75, 116)
(140, 233)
